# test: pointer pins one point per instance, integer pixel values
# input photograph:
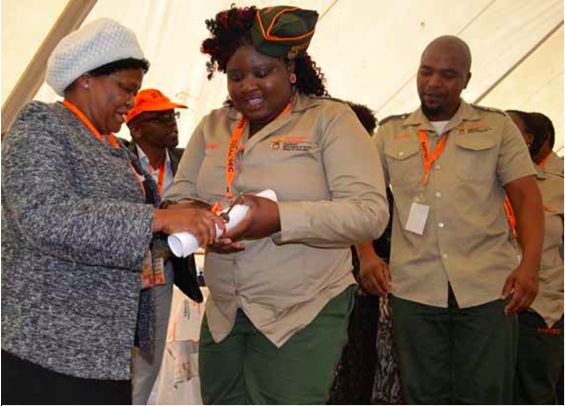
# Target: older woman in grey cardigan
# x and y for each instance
(78, 226)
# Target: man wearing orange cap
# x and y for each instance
(153, 127)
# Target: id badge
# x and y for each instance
(417, 218)
(147, 273)
(159, 274)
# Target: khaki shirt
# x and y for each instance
(328, 179)
(554, 164)
(549, 301)
(465, 239)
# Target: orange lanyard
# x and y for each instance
(544, 160)
(97, 134)
(161, 175)
(508, 207)
(428, 161)
(91, 127)
(511, 216)
(233, 150)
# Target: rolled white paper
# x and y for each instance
(180, 241)
(184, 244)
(268, 194)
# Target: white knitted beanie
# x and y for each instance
(98, 43)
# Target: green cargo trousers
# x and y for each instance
(540, 360)
(247, 368)
(455, 356)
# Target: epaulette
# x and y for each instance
(329, 98)
(491, 109)
(393, 117)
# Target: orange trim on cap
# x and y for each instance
(270, 37)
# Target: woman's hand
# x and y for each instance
(261, 220)
(226, 246)
(188, 217)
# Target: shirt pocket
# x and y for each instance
(405, 165)
(476, 158)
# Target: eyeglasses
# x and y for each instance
(162, 118)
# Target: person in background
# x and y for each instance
(540, 348)
(353, 382)
(77, 229)
(153, 127)
(281, 286)
(365, 115)
(356, 373)
(541, 143)
(454, 278)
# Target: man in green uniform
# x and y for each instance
(454, 275)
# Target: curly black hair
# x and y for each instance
(231, 29)
(365, 115)
(122, 64)
(116, 66)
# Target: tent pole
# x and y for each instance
(518, 63)
(29, 82)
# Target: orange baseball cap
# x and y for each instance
(151, 100)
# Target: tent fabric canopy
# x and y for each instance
(369, 50)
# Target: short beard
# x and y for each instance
(431, 112)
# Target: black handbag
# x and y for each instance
(186, 278)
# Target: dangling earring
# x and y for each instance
(293, 78)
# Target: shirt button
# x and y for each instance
(444, 255)
(401, 153)
(440, 224)
(438, 194)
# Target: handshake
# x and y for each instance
(256, 214)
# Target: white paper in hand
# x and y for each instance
(184, 244)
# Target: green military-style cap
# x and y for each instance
(283, 31)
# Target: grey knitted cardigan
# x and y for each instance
(74, 235)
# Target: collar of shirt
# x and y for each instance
(169, 176)
(464, 113)
(300, 103)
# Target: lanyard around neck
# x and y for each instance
(429, 160)
(89, 124)
(544, 160)
(233, 150)
(161, 175)
(97, 134)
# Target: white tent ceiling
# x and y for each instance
(368, 49)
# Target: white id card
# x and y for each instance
(417, 218)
